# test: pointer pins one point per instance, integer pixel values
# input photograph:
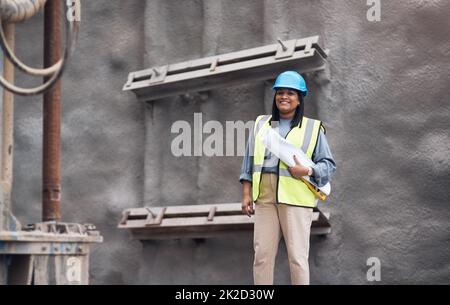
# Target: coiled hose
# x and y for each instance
(20, 10)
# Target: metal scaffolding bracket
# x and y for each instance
(286, 49)
(158, 74)
(256, 64)
(153, 219)
(199, 221)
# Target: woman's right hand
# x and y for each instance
(247, 205)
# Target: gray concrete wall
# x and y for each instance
(386, 109)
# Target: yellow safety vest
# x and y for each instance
(289, 189)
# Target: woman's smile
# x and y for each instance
(287, 101)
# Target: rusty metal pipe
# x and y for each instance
(8, 115)
(51, 168)
(7, 130)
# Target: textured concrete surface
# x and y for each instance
(385, 107)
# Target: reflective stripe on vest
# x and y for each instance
(290, 190)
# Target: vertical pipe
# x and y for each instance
(7, 129)
(51, 195)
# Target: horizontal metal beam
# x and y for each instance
(50, 238)
(142, 234)
(21, 236)
(43, 248)
(256, 64)
(199, 221)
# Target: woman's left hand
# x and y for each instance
(298, 170)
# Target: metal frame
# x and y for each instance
(199, 221)
(50, 238)
(262, 63)
(47, 253)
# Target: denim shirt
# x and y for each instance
(324, 167)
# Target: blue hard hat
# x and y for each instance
(292, 80)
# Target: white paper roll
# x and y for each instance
(285, 151)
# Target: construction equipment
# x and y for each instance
(47, 253)
(50, 252)
(198, 221)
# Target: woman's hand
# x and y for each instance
(247, 200)
(298, 170)
(247, 205)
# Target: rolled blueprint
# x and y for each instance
(285, 151)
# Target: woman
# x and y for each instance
(283, 202)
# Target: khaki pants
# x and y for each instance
(272, 219)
